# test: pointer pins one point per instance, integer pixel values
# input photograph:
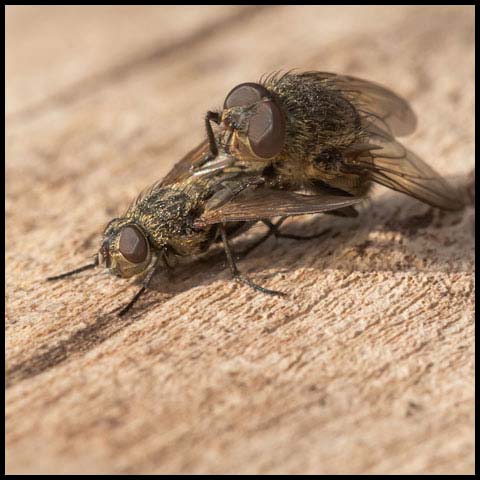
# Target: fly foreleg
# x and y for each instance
(145, 284)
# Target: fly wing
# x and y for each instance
(390, 164)
(264, 203)
(413, 176)
(182, 168)
(180, 171)
(374, 102)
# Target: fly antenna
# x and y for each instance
(77, 270)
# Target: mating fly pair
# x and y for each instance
(292, 144)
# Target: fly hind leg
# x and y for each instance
(264, 237)
(274, 230)
(349, 212)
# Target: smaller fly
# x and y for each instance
(321, 132)
(184, 214)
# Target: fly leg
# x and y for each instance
(213, 153)
(271, 231)
(349, 212)
(145, 284)
(211, 117)
(235, 272)
(274, 230)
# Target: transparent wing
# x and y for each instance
(264, 203)
(373, 101)
(390, 164)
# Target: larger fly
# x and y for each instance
(322, 132)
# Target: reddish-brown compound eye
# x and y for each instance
(266, 130)
(133, 245)
(245, 94)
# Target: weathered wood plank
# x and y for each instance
(81, 49)
(367, 367)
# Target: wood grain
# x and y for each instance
(366, 367)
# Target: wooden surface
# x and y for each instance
(366, 367)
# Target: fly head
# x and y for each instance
(256, 118)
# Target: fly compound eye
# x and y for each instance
(245, 94)
(266, 130)
(133, 245)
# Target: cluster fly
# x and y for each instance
(292, 144)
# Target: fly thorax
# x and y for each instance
(168, 215)
(164, 214)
